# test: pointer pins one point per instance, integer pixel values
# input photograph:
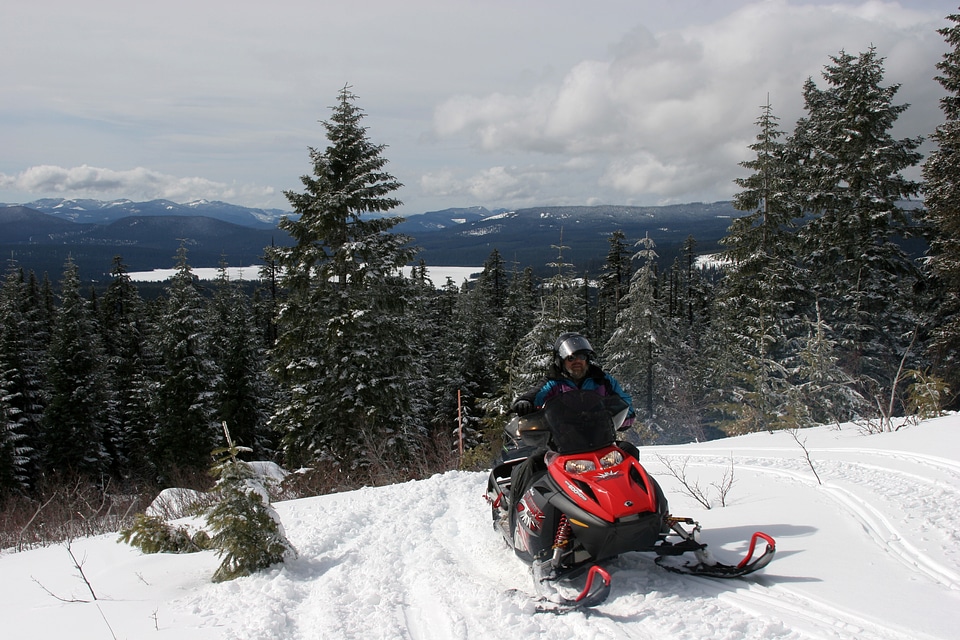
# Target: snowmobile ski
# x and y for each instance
(709, 567)
(594, 592)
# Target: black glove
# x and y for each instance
(522, 407)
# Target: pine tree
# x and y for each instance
(941, 173)
(826, 393)
(19, 388)
(13, 452)
(184, 403)
(432, 399)
(343, 357)
(688, 293)
(755, 325)
(74, 419)
(632, 353)
(475, 371)
(121, 316)
(25, 352)
(244, 392)
(247, 531)
(761, 245)
(614, 282)
(558, 311)
(852, 183)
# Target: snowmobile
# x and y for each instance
(589, 501)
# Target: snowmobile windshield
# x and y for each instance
(581, 420)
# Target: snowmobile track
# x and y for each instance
(885, 535)
(814, 617)
(877, 527)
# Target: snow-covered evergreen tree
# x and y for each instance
(439, 352)
(19, 388)
(25, 328)
(431, 400)
(121, 319)
(826, 393)
(852, 183)
(559, 310)
(941, 173)
(244, 393)
(632, 354)
(343, 357)
(688, 293)
(247, 531)
(613, 284)
(184, 401)
(481, 339)
(755, 326)
(13, 452)
(74, 419)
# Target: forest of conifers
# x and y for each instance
(815, 313)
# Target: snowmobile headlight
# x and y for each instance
(579, 466)
(612, 459)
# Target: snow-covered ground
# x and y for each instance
(873, 552)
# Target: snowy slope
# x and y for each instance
(874, 552)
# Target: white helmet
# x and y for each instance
(570, 343)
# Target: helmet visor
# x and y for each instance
(572, 345)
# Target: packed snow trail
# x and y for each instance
(421, 560)
(872, 553)
(414, 560)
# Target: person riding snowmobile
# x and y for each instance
(573, 367)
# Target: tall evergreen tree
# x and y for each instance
(432, 398)
(13, 452)
(38, 308)
(186, 426)
(632, 352)
(343, 354)
(559, 310)
(471, 356)
(478, 325)
(74, 419)
(941, 173)
(17, 385)
(244, 393)
(444, 356)
(756, 326)
(121, 315)
(614, 282)
(827, 394)
(851, 177)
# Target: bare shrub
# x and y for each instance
(381, 467)
(806, 453)
(693, 488)
(62, 509)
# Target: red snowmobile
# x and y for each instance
(592, 502)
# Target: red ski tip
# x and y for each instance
(771, 547)
(593, 573)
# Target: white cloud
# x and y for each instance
(133, 183)
(673, 112)
(522, 102)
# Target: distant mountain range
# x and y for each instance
(105, 212)
(40, 235)
(533, 236)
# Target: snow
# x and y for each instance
(873, 552)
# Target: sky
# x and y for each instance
(493, 103)
(872, 553)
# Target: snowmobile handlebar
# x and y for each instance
(572, 421)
